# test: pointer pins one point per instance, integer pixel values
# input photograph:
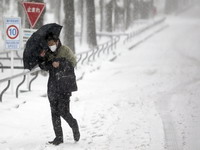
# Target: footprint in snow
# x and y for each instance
(3, 142)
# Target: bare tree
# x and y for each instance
(80, 8)
(136, 9)
(118, 6)
(128, 13)
(144, 9)
(69, 22)
(7, 2)
(171, 6)
(101, 14)
(21, 12)
(106, 7)
(1, 9)
(57, 10)
(123, 14)
(1, 15)
(89, 25)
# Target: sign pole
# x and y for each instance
(12, 41)
(12, 70)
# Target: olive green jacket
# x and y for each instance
(63, 52)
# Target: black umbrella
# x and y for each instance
(51, 28)
(36, 43)
(34, 46)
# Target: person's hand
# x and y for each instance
(42, 53)
(55, 64)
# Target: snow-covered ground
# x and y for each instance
(146, 99)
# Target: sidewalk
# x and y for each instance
(111, 107)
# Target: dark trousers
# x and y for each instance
(60, 107)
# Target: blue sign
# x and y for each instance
(12, 33)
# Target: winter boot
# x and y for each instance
(56, 141)
(76, 132)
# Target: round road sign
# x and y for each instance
(12, 31)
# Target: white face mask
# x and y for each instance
(53, 48)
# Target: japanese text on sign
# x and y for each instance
(33, 9)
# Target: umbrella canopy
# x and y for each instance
(34, 45)
(52, 28)
(37, 42)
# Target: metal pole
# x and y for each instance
(12, 70)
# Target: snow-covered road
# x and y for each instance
(146, 99)
(179, 102)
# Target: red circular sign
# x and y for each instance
(12, 32)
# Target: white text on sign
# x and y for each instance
(33, 10)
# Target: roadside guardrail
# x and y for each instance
(83, 57)
(24, 74)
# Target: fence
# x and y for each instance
(133, 34)
(91, 55)
(83, 57)
(24, 74)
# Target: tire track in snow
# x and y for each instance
(172, 141)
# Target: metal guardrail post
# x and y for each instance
(97, 49)
(17, 89)
(79, 58)
(109, 47)
(93, 52)
(84, 58)
(18, 56)
(100, 50)
(29, 87)
(16, 76)
(1, 95)
(106, 46)
(1, 66)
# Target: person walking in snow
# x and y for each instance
(60, 62)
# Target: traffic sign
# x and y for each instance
(33, 11)
(12, 33)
